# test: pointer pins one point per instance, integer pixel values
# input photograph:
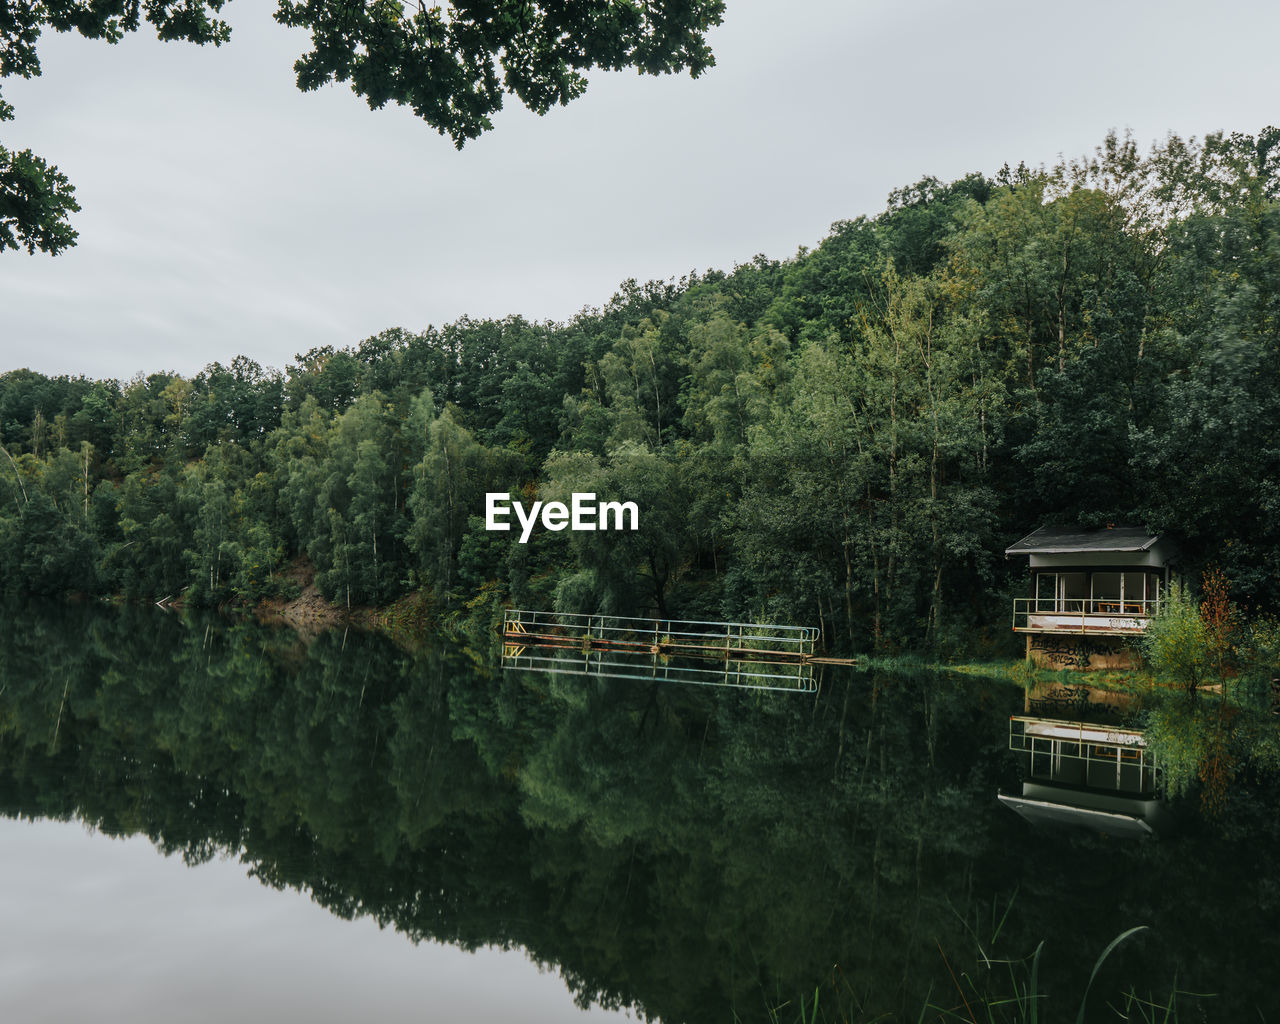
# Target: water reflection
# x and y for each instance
(112, 931)
(693, 854)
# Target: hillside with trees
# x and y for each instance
(850, 437)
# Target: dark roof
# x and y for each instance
(1062, 540)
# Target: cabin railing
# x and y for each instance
(1082, 615)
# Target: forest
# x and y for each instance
(849, 438)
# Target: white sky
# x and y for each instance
(224, 212)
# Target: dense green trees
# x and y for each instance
(849, 438)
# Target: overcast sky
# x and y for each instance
(226, 213)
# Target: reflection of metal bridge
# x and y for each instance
(710, 653)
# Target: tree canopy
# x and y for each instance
(452, 65)
(850, 438)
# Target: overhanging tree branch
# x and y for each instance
(452, 66)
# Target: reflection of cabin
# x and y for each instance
(1081, 773)
(1089, 589)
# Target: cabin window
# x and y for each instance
(1115, 592)
(1107, 592)
(1133, 592)
(1125, 593)
(1074, 589)
(1061, 591)
(1046, 591)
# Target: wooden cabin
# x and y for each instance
(1089, 590)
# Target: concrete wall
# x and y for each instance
(1080, 653)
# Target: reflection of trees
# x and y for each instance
(696, 853)
(1222, 725)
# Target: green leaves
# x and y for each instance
(36, 201)
(1080, 1017)
(35, 198)
(1175, 643)
(451, 66)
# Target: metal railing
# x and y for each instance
(1083, 615)
(743, 654)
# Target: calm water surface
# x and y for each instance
(208, 820)
(108, 929)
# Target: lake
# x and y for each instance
(206, 818)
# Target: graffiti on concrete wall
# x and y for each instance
(1069, 651)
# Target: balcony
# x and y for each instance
(1100, 616)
